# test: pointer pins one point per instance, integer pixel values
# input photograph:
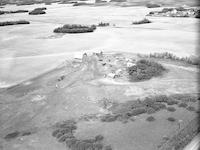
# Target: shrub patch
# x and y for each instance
(74, 28)
(8, 23)
(172, 109)
(143, 21)
(150, 118)
(144, 70)
(171, 119)
(64, 133)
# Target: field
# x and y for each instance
(39, 49)
(45, 80)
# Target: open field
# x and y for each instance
(38, 43)
(47, 100)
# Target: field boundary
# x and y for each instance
(183, 137)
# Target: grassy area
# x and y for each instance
(183, 137)
(149, 105)
(144, 70)
(8, 23)
(194, 60)
(74, 28)
(143, 21)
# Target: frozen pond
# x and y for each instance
(29, 50)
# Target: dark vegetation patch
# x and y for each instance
(184, 105)
(74, 28)
(103, 24)
(176, 12)
(190, 108)
(143, 21)
(171, 109)
(171, 119)
(16, 134)
(144, 70)
(149, 105)
(82, 4)
(150, 118)
(151, 5)
(12, 12)
(38, 11)
(197, 14)
(172, 102)
(64, 132)
(194, 60)
(127, 111)
(8, 23)
(12, 135)
(67, 2)
(61, 78)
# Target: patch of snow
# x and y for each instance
(134, 91)
(38, 98)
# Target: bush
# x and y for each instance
(108, 118)
(158, 106)
(151, 111)
(161, 98)
(172, 102)
(101, 24)
(25, 133)
(172, 109)
(12, 12)
(12, 135)
(7, 23)
(99, 138)
(144, 70)
(197, 14)
(136, 112)
(37, 12)
(152, 5)
(150, 118)
(143, 21)
(75, 29)
(190, 108)
(184, 105)
(65, 133)
(171, 119)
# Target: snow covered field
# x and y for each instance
(29, 50)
